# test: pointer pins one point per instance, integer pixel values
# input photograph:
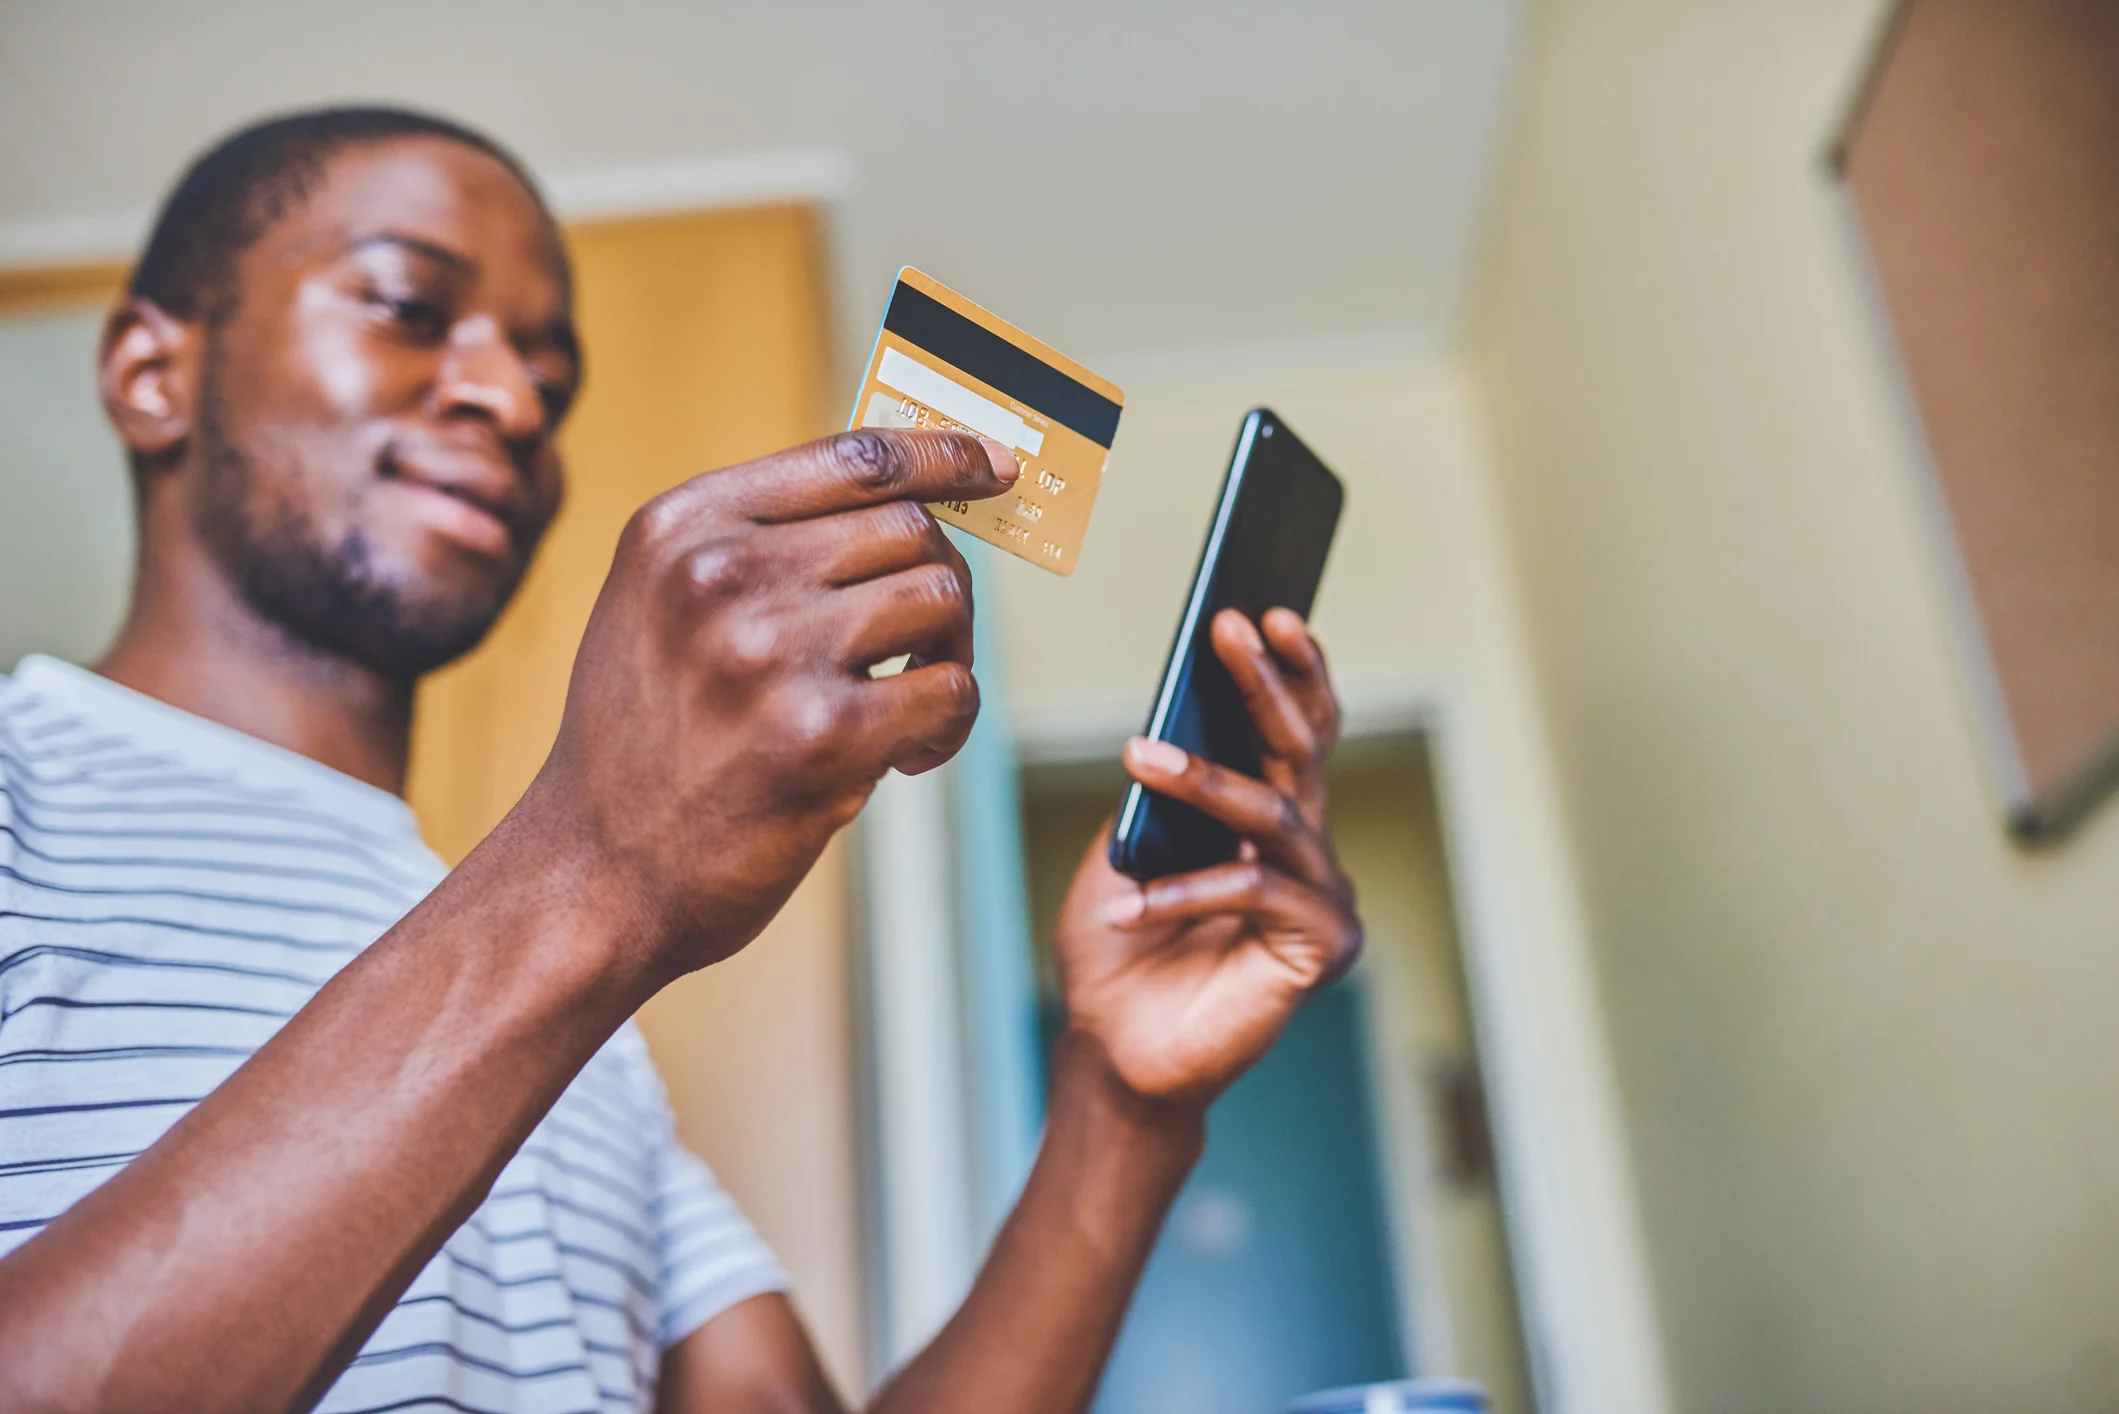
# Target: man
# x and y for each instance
(287, 1118)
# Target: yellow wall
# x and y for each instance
(1866, 1046)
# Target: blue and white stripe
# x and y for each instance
(170, 893)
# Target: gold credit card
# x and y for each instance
(941, 361)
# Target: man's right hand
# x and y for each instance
(721, 724)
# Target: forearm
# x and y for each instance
(1034, 1333)
(243, 1259)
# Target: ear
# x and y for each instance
(147, 367)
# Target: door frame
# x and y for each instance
(1573, 1239)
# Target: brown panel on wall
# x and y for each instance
(706, 345)
(35, 289)
(1985, 169)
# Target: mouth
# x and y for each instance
(467, 501)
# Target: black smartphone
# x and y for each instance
(1266, 547)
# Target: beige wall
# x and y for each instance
(1866, 1046)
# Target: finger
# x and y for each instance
(960, 648)
(1269, 818)
(864, 468)
(924, 611)
(1314, 935)
(859, 545)
(918, 719)
(1283, 728)
(1304, 669)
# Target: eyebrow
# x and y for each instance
(559, 332)
(455, 259)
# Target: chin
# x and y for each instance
(447, 574)
(408, 640)
(398, 614)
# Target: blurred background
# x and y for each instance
(1721, 647)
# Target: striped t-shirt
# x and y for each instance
(171, 891)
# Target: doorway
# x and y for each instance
(1345, 1222)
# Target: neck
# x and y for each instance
(191, 641)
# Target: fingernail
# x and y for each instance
(1248, 632)
(1005, 467)
(1157, 756)
(1119, 911)
(1292, 626)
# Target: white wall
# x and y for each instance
(1419, 616)
(1104, 181)
(65, 499)
(1416, 587)
(1867, 1046)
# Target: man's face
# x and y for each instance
(373, 458)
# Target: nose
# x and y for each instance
(484, 376)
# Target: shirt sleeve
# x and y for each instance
(709, 1256)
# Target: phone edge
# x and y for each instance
(1121, 852)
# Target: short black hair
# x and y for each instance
(230, 197)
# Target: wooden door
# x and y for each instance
(707, 344)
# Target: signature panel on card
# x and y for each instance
(941, 361)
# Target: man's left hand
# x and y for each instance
(1184, 982)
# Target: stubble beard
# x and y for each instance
(328, 595)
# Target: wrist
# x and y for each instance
(1084, 1080)
(585, 917)
(1111, 1164)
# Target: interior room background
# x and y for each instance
(1666, 784)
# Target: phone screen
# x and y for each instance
(1266, 547)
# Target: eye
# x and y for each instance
(557, 397)
(422, 320)
(556, 379)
